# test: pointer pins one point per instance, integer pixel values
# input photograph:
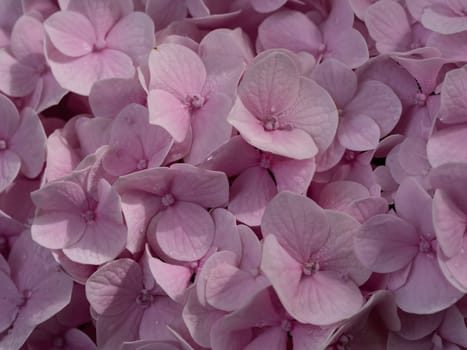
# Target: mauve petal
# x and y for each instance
(79, 74)
(453, 90)
(57, 229)
(315, 113)
(449, 223)
(207, 140)
(10, 164)
(113, 288)
(265, 6)
(299, 224)
(282, 30)
(414, 327)
(413, 156)
(227, 236)
(358, 132)
(380, 19)
(349, 47)
(293, 175)
(453, 327)
(418, 296)
(448, 146)
(274, 338)
(294, 143)
(156, 181)
(173, 279)
(396, 342)
(60, 195)
(250, 193)
(377, 101)
(176, 69)
(78, 340)
(164, 12)
(386, 243)
(184, 231)
(17, 79)
(451, 178)
(112, 330)
(29, 143)
(206, 188)
(27, 40)
(168, 112)
(9, 297)
(340, 17)
(452, 46)
(454, 268)
(71, 33)
(61, 159)
(443, 23)
(134, 35)
(337, 79)
(270, 85)
(251, 254)
(10, 117)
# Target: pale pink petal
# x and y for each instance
(71, 33)
(208, 189)
(386, 243)
(415, 327)
(449, 223)
(380, 19)
(10, 165)
(418, 295)
(10, 118)
(294, 143)
(134, 35)
(173, 279)
(165, 12)
(274, 338)
(250, 193)
(113, 330)
(185, 231)
(453, 327)
(298, 223)
(452, 46)
(227, 235)
(176, 69)
(168, 112)
(443, 23)
(453, 104)
(251, 255)
(348, 46)
(265, 6)
(377, 101)
(447, 146)
(283, 30)
(17, 79)
(358, 132)
(9, 297)
(337, 79)
(79, 74)
(27, 40)
(29, 143)
(113, 288)
(207, 140)
(270, 85)
(293, 175)
(314, 112)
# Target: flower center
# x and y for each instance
(310, 267)
(425, 247)
(195, 101)
(265, 161)
(350, 155)
(3, 145)
(286, 325)
(89, 216)
(271, 124)
(99, 45)
(420, 99)
(168, 200)
(344, 342)
(144, 298)
(142, 164)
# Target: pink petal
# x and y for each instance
(176, 69)
(134, 35)
(113, 330)
(71, 33)
(10, 165)
(250, 193)
(453, 104)
(113, 288)
(293, 175)
(168, 112)
(349, 47)
(443, 23)
(377, 101)
(315, 113)
(380, 19)
(386, 243)
(10, 118)
(452, 46)
(185, 231)
(79, 74)
(227, 235)
(173, 279)
(358, 133)
(265, 6)
(449, 223)
(17, 79)
(418, 296)
(29, 143)
(251, 255)
(9, 297)
(282, 30)
(298, 223)
(453, 327)
(337, 79)
(27, 40)
(447, 146)
(269, 85)
(294, 143)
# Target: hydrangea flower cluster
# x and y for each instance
(233, 175)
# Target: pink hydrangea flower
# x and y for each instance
(308, 258)
(22, 143)
(94, 40)
(279, 111)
